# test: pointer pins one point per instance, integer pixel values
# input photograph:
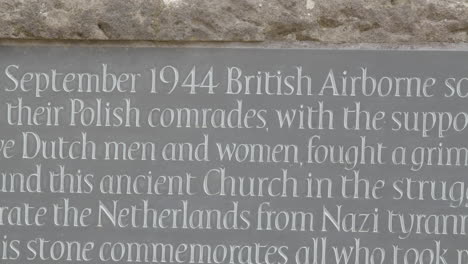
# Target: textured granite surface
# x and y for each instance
(323, 21)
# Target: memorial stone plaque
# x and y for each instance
(205, 155)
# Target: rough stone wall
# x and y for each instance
(322, 21)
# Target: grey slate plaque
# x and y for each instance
(190, 155)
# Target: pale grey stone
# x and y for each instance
(327, 21)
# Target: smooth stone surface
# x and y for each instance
(325, 21)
